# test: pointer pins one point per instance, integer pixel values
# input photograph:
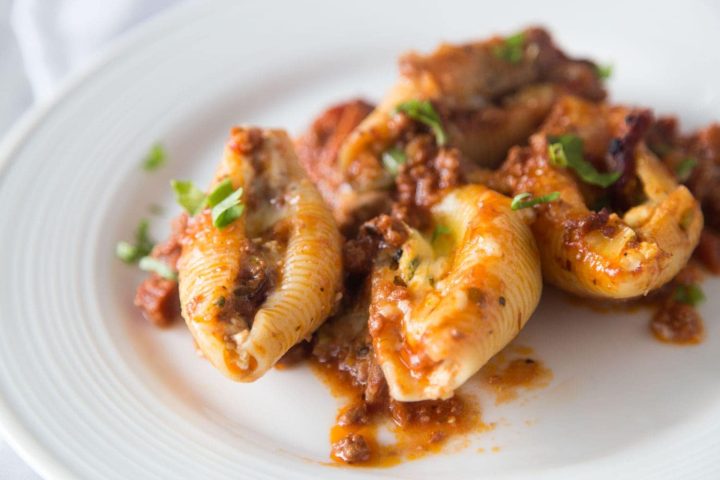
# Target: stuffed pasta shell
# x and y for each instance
(253, 288)
(445, 303)
(618, 240)
(485, 100)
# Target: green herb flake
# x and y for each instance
(221, 191)
(512, 48)
(127, 252)
(150, 264)
(689, 294)
(604, 71)
(413, 266)
(424, 112)
(686, 219)
(190, 197)
(438, 232)
(228, 210)
(220, 302)
(567, 151)
(557, 155)
(155, 158)
(524, 200)
(132, 253)
(684, 169)
(392, 159)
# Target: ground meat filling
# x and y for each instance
(675, 320)
(708, 250)
(157, 297)
(423, 180)
(318, 147)
(382, 232)
(593, 221)
(351, 449)
(317, 150)
(627, 190)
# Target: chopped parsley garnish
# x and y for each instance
(438, 232)
(132, 253)
(220, 192)
(567, 151)
(150, 264)
(684, 169)
(228, 208)
(689, 294)
(521, 201)
(190, 197)
(413, 266)
(604, 71)
(424, 112)
(392, 159)
(512, 48)
(155, 158)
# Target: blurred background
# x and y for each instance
(43, 43)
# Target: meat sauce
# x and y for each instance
(418, 429)
(371, 429)
(513, 370)
(676, 320)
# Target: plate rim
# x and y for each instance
(19, 438)
(29, 446)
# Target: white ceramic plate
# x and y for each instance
(90, 391)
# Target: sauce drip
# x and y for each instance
(416, 428)
(506, 374)
(384, 432)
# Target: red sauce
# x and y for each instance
(417, 428)
(513, 370)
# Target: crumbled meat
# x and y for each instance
(381, 232)
(351, 449)
(704, 180)
(317, 150)
(318, 147)
(621, 158)
(577, 76)
(245, 140)
(422, 181)
(255, 280)
(662, 136)
(343, 343)
(157, 297)
(358, 253)
(593, 221)
(435, 411)
(357, 414)
(677, 322)
(296, 354)
(375, 386)
(708, 250)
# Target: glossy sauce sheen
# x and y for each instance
(506, 376)
(427, 427)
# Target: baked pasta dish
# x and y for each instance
(399, 247)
